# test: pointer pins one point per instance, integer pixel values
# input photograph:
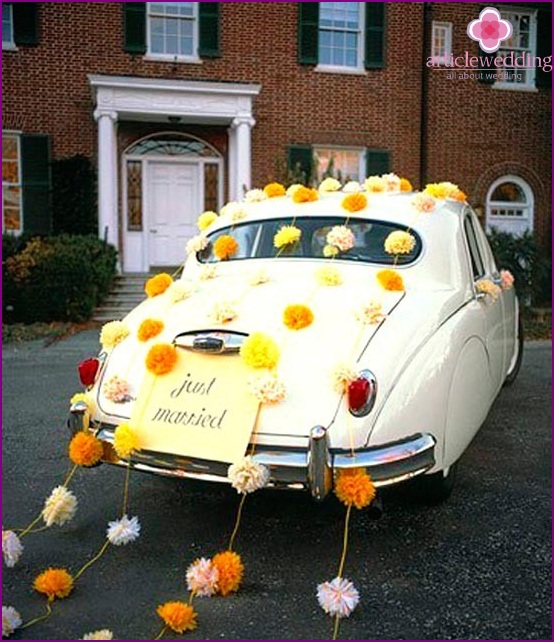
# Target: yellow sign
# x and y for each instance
(202, 408)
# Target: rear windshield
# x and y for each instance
(256, 240)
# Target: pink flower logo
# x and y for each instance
(489, 30)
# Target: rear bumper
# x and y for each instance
(309, 469)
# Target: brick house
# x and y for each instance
(182, 106)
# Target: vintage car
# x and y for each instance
(315, 331)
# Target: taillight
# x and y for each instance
(361, 393)
(88, 370)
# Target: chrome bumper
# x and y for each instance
(309, 469)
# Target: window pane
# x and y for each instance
(509, 193)
(134, 195)
(211, 187)
(11, 199)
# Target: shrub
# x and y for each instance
(58, 278)
(531, 270)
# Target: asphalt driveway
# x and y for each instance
(477, 567)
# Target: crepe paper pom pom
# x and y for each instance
(60, 507)
(113, 333)
(206, 219)
(351, 187)
(297, 316)
(255, 196)
(329, 185)
(405, 185)
(117, 390)
(54, 583)
(330, 251)
(375, 184)
(233, 211)
(223, 312)
(267, 388)
(84, 398)
(85, 449)
(125, 441)
(123, 531)
(202, 577)
(354, 202)
(161, 358)
(392, 182)
(338, 597)
(286, 235)
(305, 195)
(248, 475)
(178, 616)
(258, 278)
(399, 242)
(486, 286)
(342, 375)
(180, 290)
(260, 351)
(292, 189)
(230, 569)
(370, 313)
(225, 247)
(424, 203)
(507, 279)
(459, 196)
(328, 275)
(197, 244)
(208, 272)
(353, 487)
(273, 190)
(443, 190)
(390, 280)
(149, 329)
(11, 620)
(11, 548)
(157, 284)
(102, 634)
(341, 237)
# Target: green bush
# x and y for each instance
(532, 271)
(57, 278)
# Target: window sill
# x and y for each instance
(351, 71)
(170, 58)
(9, 47)
(514, 87)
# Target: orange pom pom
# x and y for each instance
(390, 280)
(354, 202)
(354, 487)
(274, 189)
(157, 284)
(460, 196)
(85, 449)
(225, 247)
(230, 569)
(297, 316)
(54, 583)
(405, 185)
(161, 358)
(149, 329)
(305, 195)
(178, 616)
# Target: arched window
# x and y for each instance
(510, 205)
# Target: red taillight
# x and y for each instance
(88, 369)
(358, 393)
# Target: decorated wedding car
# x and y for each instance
(311, 332)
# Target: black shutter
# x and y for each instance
(300, 163)
(25, 23)
(36, 183)
(209, 29)
(374, 35)
(544, 46)
(134, 27)
(308, 32)
(377, 162)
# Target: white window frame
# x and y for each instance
(529, 85)
(359, 68)
(8, 45)
(529, 206)
(361, 151)
(444, 58)
(194, 57)
(17, 136)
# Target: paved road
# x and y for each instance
(478, 567)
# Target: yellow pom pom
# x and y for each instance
(125, 441)
(206, 219)
(158, 284)
(390, 280)
(297, 316)
(260, 351)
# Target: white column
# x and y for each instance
(107, 175)
(243, 157)
(232, 164)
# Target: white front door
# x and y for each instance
(174, 195)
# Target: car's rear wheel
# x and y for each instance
(435, 488)
(516, 362)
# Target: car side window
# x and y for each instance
(477, 264)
